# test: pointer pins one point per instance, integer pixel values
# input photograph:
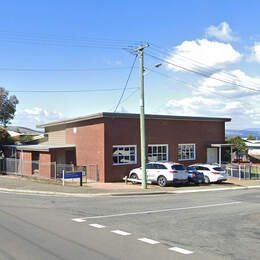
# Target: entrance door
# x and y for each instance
(212, 155)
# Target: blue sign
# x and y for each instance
(72, 175)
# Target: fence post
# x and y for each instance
(250, 169)
(244, 171)
(231, 170)
(55, 170)
(239, 172)
(62, 177)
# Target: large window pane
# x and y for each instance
(157, 152)
(186, 152)
(124, 154)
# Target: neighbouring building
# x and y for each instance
(253, 150)
(112, 142)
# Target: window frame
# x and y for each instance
(124, 146)
(157, 145)
(194, 152)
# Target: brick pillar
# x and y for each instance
(45, 165)
(25, 163)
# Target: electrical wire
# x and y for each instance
(52, 36)
(66, 91)
(66, 42)
(200, 73)
(189, 85)
(126, 83)
(202, 66)
(61, 70)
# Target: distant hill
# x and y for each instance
(243, 133)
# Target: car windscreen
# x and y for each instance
(218, 169)
(178, 167)
(191, 168)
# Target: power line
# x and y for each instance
(128, 78)
(201, 73)
(90, 45)
(53, 36)
(67, 41)
(185, 82)
(202, 66)
(61, 70)
(66, 91)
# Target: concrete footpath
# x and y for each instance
(16, 184)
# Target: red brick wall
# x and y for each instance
(171, 132)
(89, 140)
(45, 170)
(26, 169)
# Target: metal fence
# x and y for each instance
(243, 171)
(92, 172)
(51, 170)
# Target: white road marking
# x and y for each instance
(148, 241)
(79, 220)
(97, 225)
(120, 232)
(181, 250)
(162, 210)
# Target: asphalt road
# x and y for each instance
(208, 225)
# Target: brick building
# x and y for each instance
(112, 141)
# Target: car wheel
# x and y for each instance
(134, 176)
(162, 181)
(206, 178)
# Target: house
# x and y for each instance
(112, 141)
(253, 150)
(22, 134)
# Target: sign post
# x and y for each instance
(71, 175)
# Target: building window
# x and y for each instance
(186, 152)
(157, 152)
(124, 154)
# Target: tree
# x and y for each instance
(251, 137)
(5, 138)
(7, 106)
(240, 145)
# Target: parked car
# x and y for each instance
(195, 176)
(162, 173)
(212, 173)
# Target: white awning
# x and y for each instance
(41, 147)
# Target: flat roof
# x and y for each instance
(40, 147)
(128, 115)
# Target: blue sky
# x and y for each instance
(223, 35)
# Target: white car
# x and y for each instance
(212, 173)
(162, 173)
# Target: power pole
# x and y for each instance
(140, 51)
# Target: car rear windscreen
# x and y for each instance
(178, 167)
(218, 169)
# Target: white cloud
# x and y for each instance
(214, 98)
(198, 53)
(222, 32)
(255, 52)
(211, 86)
(31, 117)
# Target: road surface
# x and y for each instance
(207, 225)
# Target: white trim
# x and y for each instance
(156, 145)
(123, 146)
(189, 159)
